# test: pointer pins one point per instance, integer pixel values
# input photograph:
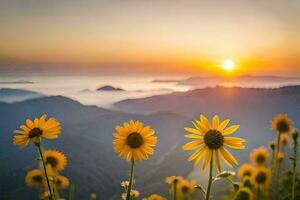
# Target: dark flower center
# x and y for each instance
(247, 173)
(243, 195)
(58, 182)
(35, 132)
(185, 189)
(37, 178)
(214, 139)
(247, 183)
(135, 140)
(283, 126)
(261, 177)
(260, 158)
(51, 161)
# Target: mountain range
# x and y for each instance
(86, 137)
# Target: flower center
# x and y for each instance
(58, 182)
(51, 161)
(185, 189)
(35, 132)
(261, 177)
(247, 173)
(214, 139)
(283, 126)
(37, 178)
(243, 195)
(260, 159)
(135, 140)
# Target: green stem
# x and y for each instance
(72, 191)
(175, 189)
(294, 168)
(276, 159)
(130, 180)
(45, 170)
(210, 177)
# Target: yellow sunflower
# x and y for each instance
(35, 178)
(61, 182)
(172, 179)
(211, 139)
(155, 197)
(244, 194)
(134, 141)
(245, 170)
(282, 124)
(184, 188)
(284, 139)
(259, 156)
(280, 156)
(35, 130)
(55, 159)
(262, 178)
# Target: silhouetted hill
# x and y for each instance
(109, 88)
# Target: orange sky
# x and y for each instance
(262, 37)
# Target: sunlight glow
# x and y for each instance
(228, 65)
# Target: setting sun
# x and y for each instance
(228, 65)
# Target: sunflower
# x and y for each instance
(184, 188)
(262, 178)
(172, 179)
(55, 159)
(244, 194)
(155, 197)
(280, 156)
(211, 138)
(284, 139)
(133, 194)
(35, 178)
(134, 141)
(245, 170)
(35, 130)
(259, 156)
(61, 182)
(282, 124)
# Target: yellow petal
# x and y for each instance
(205, 121)
(192, 130)
(216, 122)
(235, 146)
(192, 145)
(217, 160)
(229, 157)
(201, 127)
(29, 123)
(207, 159)
(225, 159)
(196, 154)
(223, 124)
(200, 156)
(194, 136)
(234, 139)
(230, 129)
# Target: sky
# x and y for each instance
(123, 37)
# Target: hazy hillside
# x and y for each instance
(86, 140)
(9, 95)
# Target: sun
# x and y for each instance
(228, 65)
